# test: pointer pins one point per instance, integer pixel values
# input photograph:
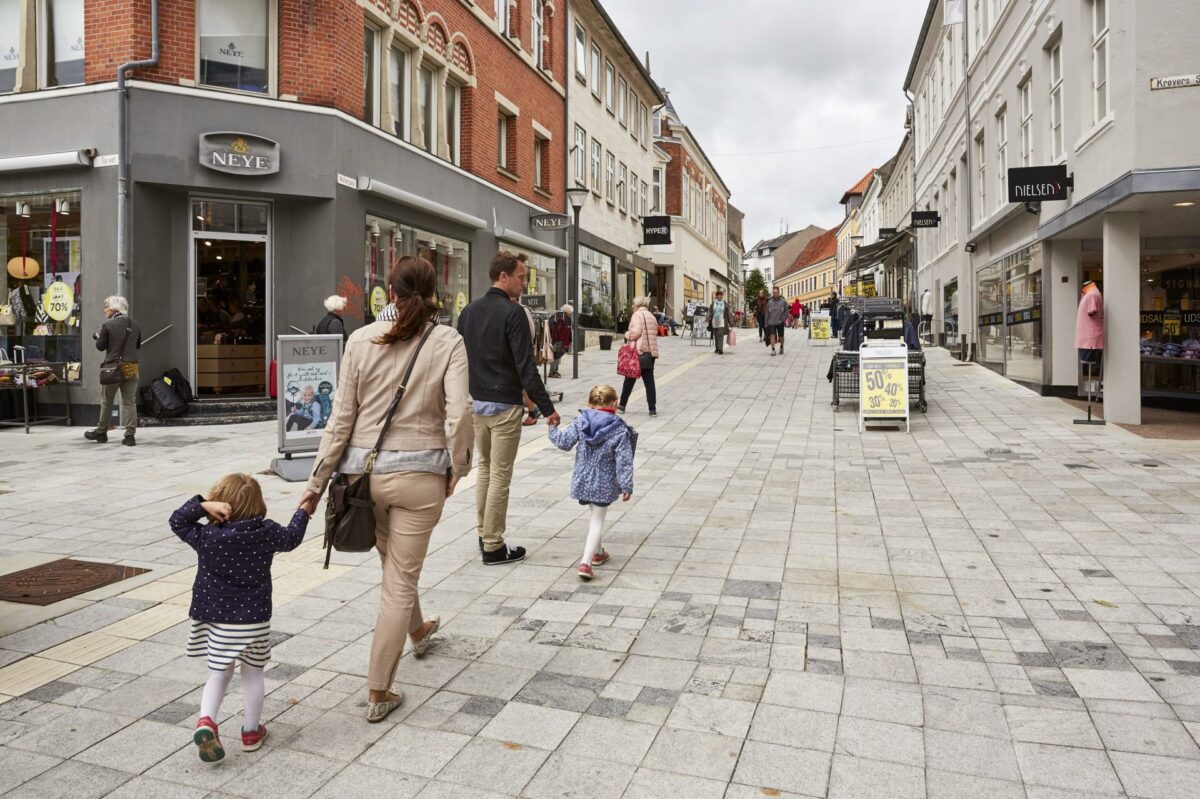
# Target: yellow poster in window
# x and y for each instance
(378, 301)
(58, 301)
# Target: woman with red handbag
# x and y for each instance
(643, 334)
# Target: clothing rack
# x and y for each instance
(541, 320)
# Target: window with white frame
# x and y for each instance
(1057, 145)
(687, 196)
(597, 157)
(503, 18)
(503, 123)
(610, 178)
(981, 159)
(643, 124)
(427, 107)
(538, 29)
(1099, 60)
(633, 193)
(1002, 155)
(370, 59)
(633, 107)
(622, 188)
(656, 196)
(622, 106)
(398, 83)
(595, 78)
(1027, 122)
(645, 208)
(581, 54)
(61, 41)
(610, 87)
(454, 122)
(234, 44)
(579, 156)
(540, 176)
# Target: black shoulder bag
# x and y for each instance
(114, 371)
(350, 511)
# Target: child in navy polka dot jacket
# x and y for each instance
(231, 598)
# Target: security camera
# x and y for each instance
(971, 247)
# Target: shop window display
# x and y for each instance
(1170, 325)
(542, 281)
(990, 317)
(234, 44)
(42, 279)
(595, 286)
(388, 241)
(1023, 315)
(63, 42)
(950, 313)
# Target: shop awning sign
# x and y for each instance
(1031, 184)
(239, 153)
(656, 230)
(550, 222)
(926, 219)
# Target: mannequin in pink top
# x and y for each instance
(1089, 323)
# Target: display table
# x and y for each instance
(225, 367)
(31, 377)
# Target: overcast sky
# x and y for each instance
(755, 77)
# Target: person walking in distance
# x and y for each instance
(332, 321)
(643, 329)
(760, 315)
(560, 336)
(833, 313)
(119, 339)
(500, 361)
(722, 320)
(777, 311)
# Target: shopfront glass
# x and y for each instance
(234, 44)
(42, 253)
(1170, 325)
(388, 241)
(231, 254)
(950, 313)
(595, 287)
(10, 43)
(990, 317)
(1023, 315)
(541, 281)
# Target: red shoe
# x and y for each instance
(251, 741)
(208, 741)
(600, 558)
(585, 572)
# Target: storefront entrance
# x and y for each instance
(230, 257)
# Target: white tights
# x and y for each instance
(595, 534)
(253, 686)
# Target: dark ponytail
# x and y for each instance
(413, 285)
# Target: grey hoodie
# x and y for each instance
(777, 311)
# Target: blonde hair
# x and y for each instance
(640, 302)
(602, 397)
(242, 492)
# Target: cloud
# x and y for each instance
(756, 77)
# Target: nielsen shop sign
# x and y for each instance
(1038, 183)
(239, 153)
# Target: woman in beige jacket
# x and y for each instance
(425, 452)
(643, 328)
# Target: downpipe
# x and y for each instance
(123, 152)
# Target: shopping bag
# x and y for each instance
(627, 361)
(731, 338)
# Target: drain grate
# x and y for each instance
(61, 579)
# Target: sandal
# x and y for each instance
(378, 711)
(420, 648)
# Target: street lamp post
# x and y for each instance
(577, 195)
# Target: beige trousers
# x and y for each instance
(407, 506)
(496, 441)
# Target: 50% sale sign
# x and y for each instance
(883, 386)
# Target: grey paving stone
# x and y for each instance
(807, 729)
(490, 679)
(561, 691)
(610, 738)
(565, 774)
(655, 672)
(494, 766)
(71, 778)
(71, 733)
(531, 725)
(806, 691)
(413, 750)
(609, 708)
(359, 780)
(947, 785)
(709, 714)
(1052, 726)
(141, 696)
(280, 774)
(1155, 777)
(136, 748)
(1148, 736)
(852, 777)
(338, 736)
(970, 754)
(1066, 767)
(771, 766)
(650, 783)
(17, 766)
(142, 787)
(880, 740)
(699, 754)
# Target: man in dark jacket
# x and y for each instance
(777, 311)
(495, 330)
(760, 315)
(119, 339)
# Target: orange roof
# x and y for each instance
(822, 247)
(858, 188)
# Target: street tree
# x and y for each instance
(754, 284)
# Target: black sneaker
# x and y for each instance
(620, 409)
(129, 440)
(654, 413)
(99, 436)
(505, 554)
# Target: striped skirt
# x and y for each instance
(224, 643)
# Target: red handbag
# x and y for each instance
(628, 364)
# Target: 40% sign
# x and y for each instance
(884, 388)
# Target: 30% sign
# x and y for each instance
(884, 388)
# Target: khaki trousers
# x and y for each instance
(496, 441)
(128, 389)
(407, 506)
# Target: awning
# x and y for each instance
(530, 243)
(719, 276)
(874, 253)
(29, 163)
(381, 189)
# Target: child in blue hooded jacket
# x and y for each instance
(603, 465)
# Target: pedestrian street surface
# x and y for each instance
(997, 604)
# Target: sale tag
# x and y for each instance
(884, 388)
(820, 327)
(378, 301)
(58, 301)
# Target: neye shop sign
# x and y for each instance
(239, 153)
(1028, 184)
(550, 222)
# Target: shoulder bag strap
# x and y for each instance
(391, 411)
(646, 329)
(124, 341)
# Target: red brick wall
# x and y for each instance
(320, 62)
(674, 177)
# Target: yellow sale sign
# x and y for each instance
(58, 301)
(883, 388)
(821, 330)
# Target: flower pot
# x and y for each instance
(606, 342)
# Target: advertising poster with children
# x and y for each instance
(308, 380)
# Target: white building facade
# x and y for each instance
(1080, 83)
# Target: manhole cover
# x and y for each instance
(61, 579)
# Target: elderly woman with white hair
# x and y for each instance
(332, 322)
(643, 329)
(119, 339)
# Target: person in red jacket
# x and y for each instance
(796, 313)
